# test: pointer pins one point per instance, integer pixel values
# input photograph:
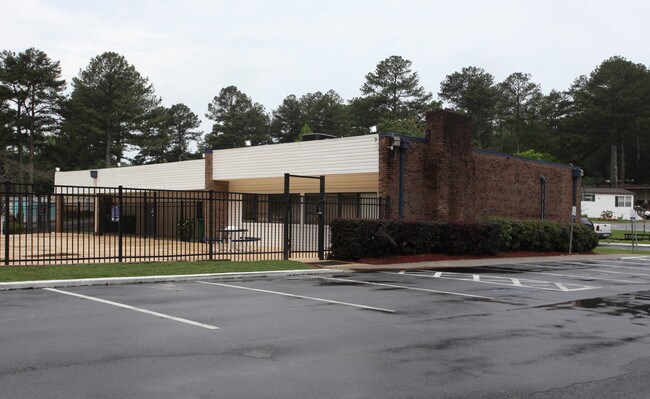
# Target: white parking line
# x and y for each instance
(645, 259)
(129, 307)
(573, 275)
(562, 287)
(607, 265)
(301, 297)
(407, 288)
(507, 281)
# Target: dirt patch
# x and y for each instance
(440, 257)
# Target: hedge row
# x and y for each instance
(354, 239)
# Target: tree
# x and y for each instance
(109, 103)
(182, 124)
(287, 120)
(612, 112)
(518, 108)
(32, 90)
(167, 135)
(6, 136)
(394, 90)
(472, 91)
(362, 113)
(538, 156)
(238, 121)
(324, 112)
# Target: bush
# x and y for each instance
(354, 239)
(360, 238)
(543, 236)
(471, 238)
(186, 229)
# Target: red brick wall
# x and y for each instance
(446, 180)
(510, 186)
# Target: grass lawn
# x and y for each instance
(63, 272)
(625, 251)
(619, 235)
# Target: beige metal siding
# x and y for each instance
(184, 175)
(359, 154)
(349, 183)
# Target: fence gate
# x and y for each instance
(294, 234)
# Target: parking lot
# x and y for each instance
(533, 330)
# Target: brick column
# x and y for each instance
(221, 198)
(452, 165)
(59, 203)
(438, 173)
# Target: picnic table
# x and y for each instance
(235, 242)
(639, 236)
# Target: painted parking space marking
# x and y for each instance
(300, 297)
(129, 307)
(608, 264)
(645, 260)
(405, 287)
(570, 275)
(599, 268)
(507, 281)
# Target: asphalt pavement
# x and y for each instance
(560, 327)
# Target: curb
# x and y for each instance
(24, 285)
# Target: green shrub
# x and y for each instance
(186, 229)
(360, 238)
(542, 236)
(471, 238)
(354, 239)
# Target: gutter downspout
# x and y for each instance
(542, 205)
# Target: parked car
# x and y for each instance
(642, 212)
(603, 230)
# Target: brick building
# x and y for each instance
(438, 177)
(441, 177)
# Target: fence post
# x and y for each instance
(321, 220)
(7, 224)
(208, 236)
(287, 214)
(119, 224)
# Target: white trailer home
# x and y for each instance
(598, 202)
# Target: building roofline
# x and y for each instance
(504, 155)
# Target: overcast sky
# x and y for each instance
(191, 49)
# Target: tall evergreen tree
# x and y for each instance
(167, 135)
(287, 120)
(32, 87)
(611, 112)
(109, 103)
(394, 90)
(472, 91)
(518, 110)
(324, 112)
(238, 121)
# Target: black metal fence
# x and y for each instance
(70, 224)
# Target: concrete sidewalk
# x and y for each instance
(360, 267)
(82, 282)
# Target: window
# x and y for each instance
(267, 208)
(589, 197)
(623, 201)
(348, 205)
